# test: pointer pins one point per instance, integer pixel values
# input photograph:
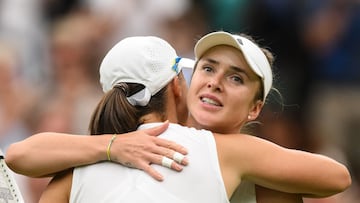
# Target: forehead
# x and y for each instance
(225, 54)
(228, 56)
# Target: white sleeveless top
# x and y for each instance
(199, 182)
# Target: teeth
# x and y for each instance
(209, 101)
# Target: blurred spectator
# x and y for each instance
(184, 30)
(228, 15)
(21, 23)
(317, 51)
(53, 10)
(76, 48)
(276, 24)
(129, 17)
(71, 92)
(331, 33)
(57, 46)
(16, 98)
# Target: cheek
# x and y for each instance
(190, 99)
(194, 87)
(241, 103)
(198, 80)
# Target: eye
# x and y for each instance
(207, 69)
(236, 79)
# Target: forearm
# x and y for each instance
(287, 170)
(44, 154)
(324, 174)
(310, 174)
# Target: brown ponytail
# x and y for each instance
(115, 115)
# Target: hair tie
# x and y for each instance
(123, 87)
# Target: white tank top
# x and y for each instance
(199, 182)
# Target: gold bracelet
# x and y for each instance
(109, 146)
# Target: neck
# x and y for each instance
(154, 118)
(151, 118)
(191, 122)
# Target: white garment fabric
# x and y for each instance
(200, 181)
(245, 193)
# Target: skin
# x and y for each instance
(218, 80)
(140, 148)
(220, 85)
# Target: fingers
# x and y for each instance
(156, 159)
(165, 161)
(152, 172)
(171, 154)
(170, 163)
(166, 144)
(155, 131)
(146, 167)
(179, 158)
(139, 150)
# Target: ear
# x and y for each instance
(255, 110)
(176, 86)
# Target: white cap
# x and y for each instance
(254, 56)
(145, 60)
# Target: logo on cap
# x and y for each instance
(240, 41)
(176, 63)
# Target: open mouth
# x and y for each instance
(210, 101)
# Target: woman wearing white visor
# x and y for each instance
(223, 80)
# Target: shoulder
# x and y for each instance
(241, 148)
(238, 148)
(237, 140)
(244, 144)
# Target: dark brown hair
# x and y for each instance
(115, 115)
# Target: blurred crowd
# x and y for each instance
(50, 51)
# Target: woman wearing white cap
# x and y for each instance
(218, 163)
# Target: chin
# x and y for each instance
(208, 125)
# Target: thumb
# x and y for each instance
(155, 131)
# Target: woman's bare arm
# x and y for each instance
(282, 169)
(44, 154)
(58, 190)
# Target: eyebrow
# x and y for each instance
(209, 60)
(233, 68)
(239, 70)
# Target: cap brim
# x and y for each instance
(214, 39)
(224, 38)
(186, 63)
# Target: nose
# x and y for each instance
(215, 84)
